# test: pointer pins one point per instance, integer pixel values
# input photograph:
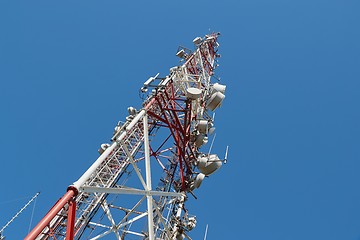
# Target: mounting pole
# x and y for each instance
(148, 179)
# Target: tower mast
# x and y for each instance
(165, 135)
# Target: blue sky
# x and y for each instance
(69, 70)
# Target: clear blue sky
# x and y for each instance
(69, 70)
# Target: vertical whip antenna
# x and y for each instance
(206, 230)
(212, 143)
(226, 154)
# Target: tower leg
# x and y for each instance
(71, 220)
(51, 214)
(148, 179)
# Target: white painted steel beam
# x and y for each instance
(132, 220)
(129, 191)
(93, 167)
(134, 164)
(107, 211)
(81, 181)
(148, 179)
(135, 120)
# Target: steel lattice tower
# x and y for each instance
(163, 139)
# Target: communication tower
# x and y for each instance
(138, 187)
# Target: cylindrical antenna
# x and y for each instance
(206, 230)
(226, 154)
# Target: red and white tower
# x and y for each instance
(139, 185)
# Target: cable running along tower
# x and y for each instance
(138, 187)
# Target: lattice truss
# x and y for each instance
(162, 141)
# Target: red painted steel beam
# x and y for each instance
(70, 227)
(51, 214)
